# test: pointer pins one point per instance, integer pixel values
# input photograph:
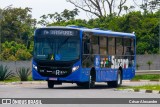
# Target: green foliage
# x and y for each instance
(147, 77)
(22, 55)
(142, 47)
(17, 25)
(23, 73)
(5, 73)
(64, 16)
(149, 64)
(150, 5)
(17, 28)
(14, 51)
(137, 66)
(148, 87)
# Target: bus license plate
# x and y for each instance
(52, 78)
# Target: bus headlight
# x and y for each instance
(35, 67)
(75, 68)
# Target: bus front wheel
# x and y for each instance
(90, 83)
(116, 83)
(50, 84)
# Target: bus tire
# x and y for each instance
(116, 83)
(90, 83)
(92, 78)
(50, 84)
(87, 85)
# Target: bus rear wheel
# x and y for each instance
(116, 83)
(50, 84)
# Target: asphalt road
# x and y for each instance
(40, 90)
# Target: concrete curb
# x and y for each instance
(22, 82)
(155, 80)
(142, 80)
(140, 90)
(2, 83)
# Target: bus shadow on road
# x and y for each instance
(98, 86)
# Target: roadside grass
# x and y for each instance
(147, 77)
(146, 87)
(16, 78)
(23, 73)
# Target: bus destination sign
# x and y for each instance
(59, 32)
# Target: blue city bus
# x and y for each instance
(73, 54)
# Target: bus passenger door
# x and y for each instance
(87, 60)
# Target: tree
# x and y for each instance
(148, 33)
(14, 51)
(126, 8)
(148, 5)
(98, 7)
(122, 2)
(149, 64)
(17, 24)
(69, 15)
(91, 6)
(43, 21)
(66, 15)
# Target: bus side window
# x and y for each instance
(103, 45)
(95, 45)
(86, 44)
(129, 50)
(119, 46)
(111, 45)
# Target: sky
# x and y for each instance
(41, 7)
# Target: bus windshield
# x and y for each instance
(57, 48)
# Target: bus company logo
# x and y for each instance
(6, 101)
(60, 72)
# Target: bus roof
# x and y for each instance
(95, 31)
